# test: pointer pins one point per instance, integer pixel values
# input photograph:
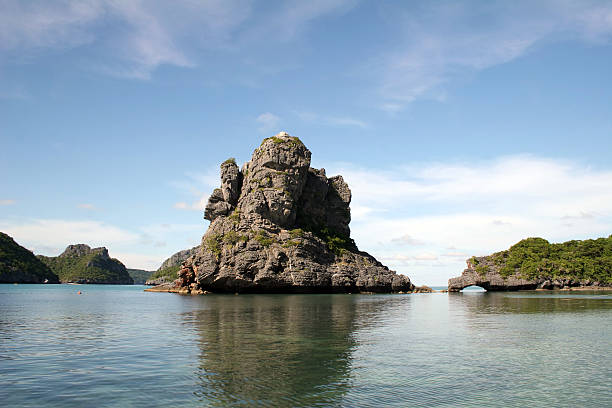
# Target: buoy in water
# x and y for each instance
(79, 293)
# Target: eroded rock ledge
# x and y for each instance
(534, 263)
(278, 225)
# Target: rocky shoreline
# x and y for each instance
(487, 273)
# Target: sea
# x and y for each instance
(118, 346)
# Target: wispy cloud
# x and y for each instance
(142, 35)
(268, 122)
(330, 120)
(7, 202)
(133, 38)
(140, 247)
(86, 206)
(57, 234)
(440, 42)
(474, 208)
(197, 185)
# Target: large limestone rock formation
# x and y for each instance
(278, 225)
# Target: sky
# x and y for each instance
(461, 127)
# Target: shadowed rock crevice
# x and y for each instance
(279, 225)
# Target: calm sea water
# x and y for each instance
(117, 346)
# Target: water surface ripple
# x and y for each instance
(117, 346)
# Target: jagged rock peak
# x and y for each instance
(82, 249)
(279, 225)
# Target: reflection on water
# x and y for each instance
(278, 350)
(121, 347)
(532, 301)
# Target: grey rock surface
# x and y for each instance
(279, 225)
(178, 258)
(492, 280)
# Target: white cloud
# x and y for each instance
(86, 206)
(291, 18)
(473, 208)
(42, 235)
(142, 35)
(198, 185)
(7, 202)
(268, 122)
(441, 42)
(198, 205)
(140, 261)
(331, 120)
(131, 38)
(407, 239)
(143, 247)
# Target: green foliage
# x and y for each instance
(263, 238)
(89, 268)
(213, 243)
(290, 243)
(474, 261)
(170, 273)
(232, 238)
(139, 276)
(235, 216)
(231, 160)
(296, 233)
(581, 260)
(336, 242)
(291, 140)
(18, 265)
(482, 269)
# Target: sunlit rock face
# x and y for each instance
(278, 225)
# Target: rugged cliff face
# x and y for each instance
(19, 265)
(82, 264)
(278, 225)
(534, 263)
(166, 273)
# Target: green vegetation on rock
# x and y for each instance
(264, 239)
(140, 276)
(169, 273)
(213, 244)
(19, 265)
(81, 264)
(531, 258)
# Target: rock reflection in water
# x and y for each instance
(275, 350)
(531, 302)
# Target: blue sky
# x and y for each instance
(461, 127)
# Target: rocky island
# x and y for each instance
(279, 225)
(19, 265)
(166, 273)
(534, 263)
(82, 264)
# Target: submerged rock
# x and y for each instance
(278, 225)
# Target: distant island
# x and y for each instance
(20, 265)
(534, 263)
(139, 276)
(168, 271)
(82, 264)
(279, 225)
